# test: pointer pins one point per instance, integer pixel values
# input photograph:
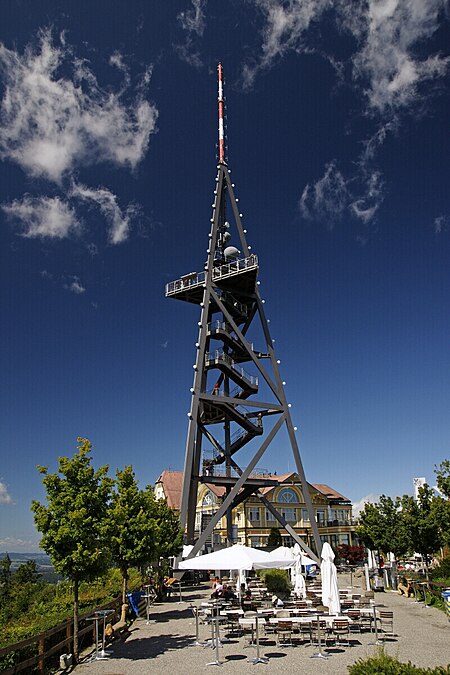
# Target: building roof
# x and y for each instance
(172, 482)
(330, 492)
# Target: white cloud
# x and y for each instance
(43, 217)
(17, 545)
(5, 497)
(366, 206)
(286, 27)
(441, 224)
(393, 58)
(358, 506)
(193, 23)
(75, 286)
(52, 123)
(119, 222)
(327, 198)
(193, 19)
(333, 196)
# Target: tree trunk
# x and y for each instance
(124, 586)
(75, 621)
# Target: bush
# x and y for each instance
(277, 582)
(442, 571)
(383, 664)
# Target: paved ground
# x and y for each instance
(165, 645)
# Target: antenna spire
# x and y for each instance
(221, 116)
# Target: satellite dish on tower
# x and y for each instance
(231, 253)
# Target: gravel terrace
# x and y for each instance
(165, 645)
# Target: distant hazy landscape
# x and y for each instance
(42, 560)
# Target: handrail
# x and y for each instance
(217, 325)
(221, 272)
(39, 639)
(220, 355)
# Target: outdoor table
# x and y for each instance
(328, 618)
(424, 584)
(225, 612)
(253, 621)
(197, 642)
(375, 617)
(215, 637)
(98, 616)
(147, 595)
(414, 583)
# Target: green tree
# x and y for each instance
(420, 523)
(73, 523)
(382, 526)
(5, 578)
(443, 477)
(441, 505)
(133, 527)
(274, 538)
(169, 538)
(27, 573)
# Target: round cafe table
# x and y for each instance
(253, 621)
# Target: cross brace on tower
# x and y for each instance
(226, 412)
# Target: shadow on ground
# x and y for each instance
(150, 647)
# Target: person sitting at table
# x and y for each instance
(276, 601)
(218, 590)
(228, 593)
(405, 587)
(246, 599)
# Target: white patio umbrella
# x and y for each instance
(237, 557)
(298, 579)
(330, 590)
(371, 559)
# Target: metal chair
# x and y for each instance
(233, 623)
(354, 616)
(315, 626)
(303, 632)
(340, 629)
(284, 633)
(387, 622)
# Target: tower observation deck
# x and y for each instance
(238, 404)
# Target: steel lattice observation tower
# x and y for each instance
(235, 363)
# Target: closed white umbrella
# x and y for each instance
(298, 579)
(330, 590)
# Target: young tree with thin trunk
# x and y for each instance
(133, 527)
(382, 526)
(73, 523)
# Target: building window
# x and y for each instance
(305, 515)
(254, 513)
(255, 541)
(287, 496)
(269, 516)
(320, 515)
(207, 499)
(288, 540)
(289, 515)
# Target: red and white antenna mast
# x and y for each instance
(221, 116)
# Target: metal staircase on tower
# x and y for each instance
(235, 370)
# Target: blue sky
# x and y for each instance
(338, 141)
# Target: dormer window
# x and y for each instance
(288, 496)
(208, 499)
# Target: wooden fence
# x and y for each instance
(39, 644)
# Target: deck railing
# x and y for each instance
(222, 272)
